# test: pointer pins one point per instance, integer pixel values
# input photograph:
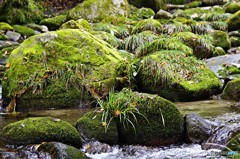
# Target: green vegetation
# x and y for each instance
(55, 22)
(147, 24)
(232, 90)
(5, 26)
(21, 11)
(221, 39)
(23, 30)
(232, 8)
(38, 130)
(234, 21)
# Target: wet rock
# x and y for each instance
(222, 136)
(14, 36)
(234, 50)
(59, 150)
(4, 44)
(97, 148)
(198, 129)
(38, 130)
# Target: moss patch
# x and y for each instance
(23, 30)
(147, 24)
(221, 39)
(5, 26)
(38, 130)
(232, 90)
(232, 8)
(54, 22)
(234, 21)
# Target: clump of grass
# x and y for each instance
(116, 109)
(176, 27)
(201, 28)
(147, 24)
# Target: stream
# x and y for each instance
(216, 110)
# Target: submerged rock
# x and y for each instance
(94, 10)
(58, 69)
(38, 130)
(198, 129)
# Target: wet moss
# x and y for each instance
(143, 13)
(21, 11)
(24, 30)
(38, 130)
(54, 22)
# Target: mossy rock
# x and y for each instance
(232, 90)
(234, 21)
(161, 125)
(78, 24)
(194, 4)
(218, 51)
(143, 13)
(54, 69)
(6, 51)
(24, 30)
(5, 26)
(40, 129)
(94, 10)
(109, 38)
(175, 76)
(213, 2)
(221, 39)
(21, 11)
(92, 128)
(61, 151)
(232, 8)
(235, 41)
(153, 4)
(201, 44)
(147, 24)
(55, 22)
(3, 37)
(161, 14)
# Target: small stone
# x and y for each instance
(14, 36)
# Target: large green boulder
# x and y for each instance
(40, 129)
(160, 123)
(175, 76)
(21, 11)
(92, 127)
(95, 10)
(232, 90)
(221, 39)
(60, 69)
(234, 21)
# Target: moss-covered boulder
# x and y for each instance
(5, 26)
(95, 10)
(234, 21)
(235, 41)
(147, 24)
(58, 69)
(76, 24)
(92, 127)
(61, 151)
(232, 8)
(109, 38)
(40, 129)
(160, 123)
(153, 4)
(54, 22)
(24, 30)
(175, 76)
(21, 11)
(232, 90)
(221, 39)
(143, 13)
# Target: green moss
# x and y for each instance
(173, 75)
(153, 4)
(3, 37)
(229, 70)
(5, 26)
(160, 114)
(91, 126)
(21, 11)
(6, 51)
(235, 41)
(232, 8)
(194, 4)
(54, 22)
(109, 38)
(95, 10)
(147, 24)
(218, 51)
(23, 30)
(234, 21)
(143, 13)
(38, 130)
(232, 90)
(78, 24)
(82, 59)
(221, 39)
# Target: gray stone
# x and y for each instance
(14, 36)
(44, 28)
(161, 14)
(198, 129)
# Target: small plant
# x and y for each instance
(123, 112)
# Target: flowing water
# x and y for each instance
(212, 109)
